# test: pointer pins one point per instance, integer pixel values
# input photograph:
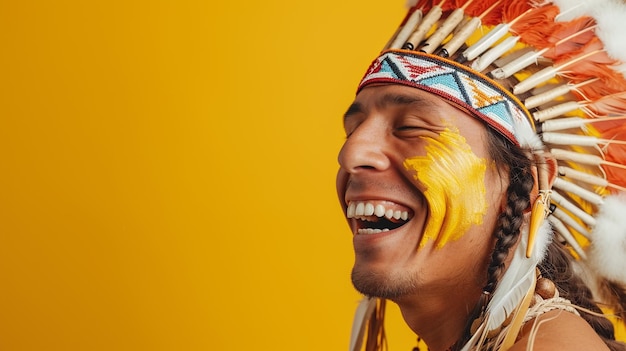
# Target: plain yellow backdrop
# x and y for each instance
(167, 173)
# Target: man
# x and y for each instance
(438, 175)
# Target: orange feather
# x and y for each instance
(593, 45)
(615, 153)
(450, 5)
(513, 9)
(609, 127)
(478, 8)
(568, 37)
(535, 25)
(614, 104)
(607, 84)
(591, 61)
(491, 16)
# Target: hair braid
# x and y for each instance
(511, 219)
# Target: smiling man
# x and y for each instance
(445, 184)
(405, 166)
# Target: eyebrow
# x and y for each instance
(396, 100)
(406, 99)
(355, 108)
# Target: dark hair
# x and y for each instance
(557, 265)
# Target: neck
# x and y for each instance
(440, 318)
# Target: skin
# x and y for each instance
(453, 177)
(435, 286)
(559, 330)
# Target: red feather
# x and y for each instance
(450, 5)
(461, 3)
(488, 15)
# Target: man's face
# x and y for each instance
(419, 191)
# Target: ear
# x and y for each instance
(545, 171)
(535, 191)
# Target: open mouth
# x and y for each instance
(374, 217)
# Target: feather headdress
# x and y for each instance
(565, 61)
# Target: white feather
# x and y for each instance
(514, 283)
(362, 315)
(518, 277)
(572, 9)
(610, 16)
(527, 138)
(607, 252)
(621, 68)
(504, 301)
(477, 339)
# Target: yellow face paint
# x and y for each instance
(455, 190)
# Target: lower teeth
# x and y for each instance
(371, 231)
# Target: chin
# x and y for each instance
(382, 284)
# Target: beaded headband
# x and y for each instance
(567, 62)
(475, 92)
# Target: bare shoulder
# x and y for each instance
(558, 330)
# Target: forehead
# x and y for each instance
(428, 106)
(393, 94)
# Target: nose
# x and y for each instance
(365, 149)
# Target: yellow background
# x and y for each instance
(167, 172)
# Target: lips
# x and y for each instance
(373, 217)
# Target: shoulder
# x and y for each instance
(558, 330)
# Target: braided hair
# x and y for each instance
(509, 222)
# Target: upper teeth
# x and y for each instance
(359, 208)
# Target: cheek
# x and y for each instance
(453, 177)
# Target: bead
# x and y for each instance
(508, 320)
(475, 325)
(493, 333)
(545, 288)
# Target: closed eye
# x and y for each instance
(415, 131)
(403, 128)
(409, 129)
